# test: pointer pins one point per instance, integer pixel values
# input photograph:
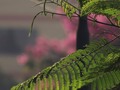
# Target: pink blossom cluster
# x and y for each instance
(44, 46)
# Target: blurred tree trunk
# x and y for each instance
(82, 33)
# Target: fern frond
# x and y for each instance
(105, 7)
(111, 12)
(68, 8)
(106, 81)
(72, 71)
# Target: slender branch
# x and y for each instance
(110, 32)
(103, 22)
(107, 32)
(44, 7)
(110, 20)
(46, 12)
(33, 22)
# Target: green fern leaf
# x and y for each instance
(105, 7)
(68, 8)
(78, 69)
(106, 81)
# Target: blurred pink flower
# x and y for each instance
(65, 45)
(22, 59)
(42, 41)
(41, 47)
(69, 43)
(70, 50)
(38, 52)
(55, 45)
(28, 48)
(70, 25)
